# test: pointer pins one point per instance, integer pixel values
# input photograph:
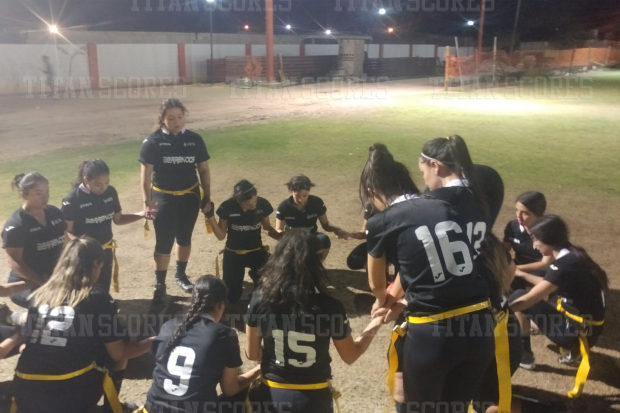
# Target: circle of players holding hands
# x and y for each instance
(462, 303)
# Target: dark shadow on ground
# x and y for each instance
(351, 288)
(541, 401)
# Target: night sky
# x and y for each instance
(554, 20)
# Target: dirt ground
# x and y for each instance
(127, 114)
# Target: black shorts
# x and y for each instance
(444, 362)
(79, 394)
(265, 399)
(175, 220)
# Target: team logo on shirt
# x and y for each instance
(56, 221)
(65, 203)
(245, 227)
(7, 229)
(553, 267)
(86, 205)
(53, 243)
(99, 219)
(186, 144)
(108, 199)
(35, 229)
(311, 216)
(179, 159)
(165, 144)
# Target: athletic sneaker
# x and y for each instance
(183, 282)
(527, 360)
(159, 298)
(570, 358)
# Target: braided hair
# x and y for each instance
(209, 291)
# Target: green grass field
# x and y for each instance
(549, 134)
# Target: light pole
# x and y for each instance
(210, 73)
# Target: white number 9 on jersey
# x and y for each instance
(450, 250)
(183, 371)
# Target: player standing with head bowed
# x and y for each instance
(89, 210)
(196, 353)
(173, 170)
(302, 210)
(240, 221)
(295, 318)
(33, 236)
(444, 353)
(73, 338)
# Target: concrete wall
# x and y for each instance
(395, 50)
(21, 67)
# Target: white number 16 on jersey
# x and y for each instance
(450, 250)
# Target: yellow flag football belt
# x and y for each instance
(111, 245)
(449, 314)
(310, 386)
(182, 192)
(108, 385)
(584, 348)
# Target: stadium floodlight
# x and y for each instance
(246, 27)
(390, 30)
(470, 22)
(382, 11)
(328, 32)
(53, 29)
(289, 27)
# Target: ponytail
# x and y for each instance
(384, 174)
(452, 152)
(90, 170)
(208, 292)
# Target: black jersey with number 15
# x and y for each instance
(435, 255)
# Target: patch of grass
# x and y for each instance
(535, 139)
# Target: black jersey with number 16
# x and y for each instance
(434, 253)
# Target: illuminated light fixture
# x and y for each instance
(328, 32)
(246, 27)
(470, 22)
(382, 11)
(390, 30)
(288, 27)
(53, 29)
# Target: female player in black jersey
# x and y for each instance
(173, 171)
(33, 236)
(72, 334)
(89, 210)
(302, 210)
(295, 318)
(442, 289)
(574, 278)
(530, 263)
(240, 221)
(448, 172)
(196, 353)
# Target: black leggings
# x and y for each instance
(555, 325)
(21, 299)
(234, 266)
(175, 220)
(444, 362)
